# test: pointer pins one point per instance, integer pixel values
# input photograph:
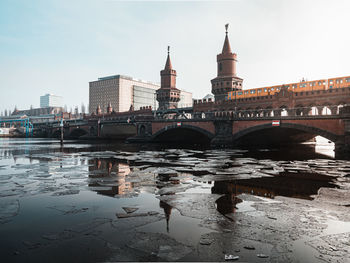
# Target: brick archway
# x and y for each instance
(166, 129)
(77, 132)
(303, 128)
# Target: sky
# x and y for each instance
(59, 46)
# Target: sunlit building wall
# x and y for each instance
(122, 92)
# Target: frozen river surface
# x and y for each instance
(114, 202)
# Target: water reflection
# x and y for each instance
(37, 176)
(295, 185)
(167, 212)
(109, 177)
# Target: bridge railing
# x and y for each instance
(283, 112)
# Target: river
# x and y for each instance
(110, 201)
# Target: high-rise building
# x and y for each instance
(121, 93)
(50, 100)
(168, 95)
(226, 80)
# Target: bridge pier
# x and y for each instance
(143, 133)
(342, 147)
(223, 133)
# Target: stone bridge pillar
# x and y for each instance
(223, 133)
(144, 129)
(333, 109)
(277, 113)
(319, 110)
(292, 112)
(144, 132)
(342, 145)
(306, 111)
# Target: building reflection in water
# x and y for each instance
(164, 179)
(296, 185)
(167, 211)
(108, 177)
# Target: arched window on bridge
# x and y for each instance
(313, 111)
(284, 112)
(326, 111)
(340, 107)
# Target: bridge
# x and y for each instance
(218, 128)
(285, 116)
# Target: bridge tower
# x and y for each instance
(168, 95)
(226, 80)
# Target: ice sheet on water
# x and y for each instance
(5, 177)
(67, 192)
(162, 170)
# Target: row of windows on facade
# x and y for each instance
(104, 82)
(227, 83)
(287, 86)
(259, 91)
(162, 94)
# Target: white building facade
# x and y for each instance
(121, 92)
(50, 100)
(185, 99)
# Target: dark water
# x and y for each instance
(67, 203)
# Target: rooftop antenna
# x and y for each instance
(226, 27)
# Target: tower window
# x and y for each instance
(220, 67)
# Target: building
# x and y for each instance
(121, 93)
(226, 80)
(38, 111)
(185, 99)
(50, 100)
(302, 86)
(168, 95)
(209, 97)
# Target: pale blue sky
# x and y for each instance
(59, 46)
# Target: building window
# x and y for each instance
(220, 67)
(347, 79)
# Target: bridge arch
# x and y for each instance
(310, 130)
(56, 133)
(184, 133)
(77, 132)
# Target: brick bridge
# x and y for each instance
(233, 130)
(300, 117)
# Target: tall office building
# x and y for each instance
(121, 92)
(50, 100)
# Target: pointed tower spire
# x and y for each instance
(226, 48)
(168, 61)
(168, 95)
(226, 80)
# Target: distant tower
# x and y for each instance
(226, 79)
(109, 108)
(98, 110)
(168, 95)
